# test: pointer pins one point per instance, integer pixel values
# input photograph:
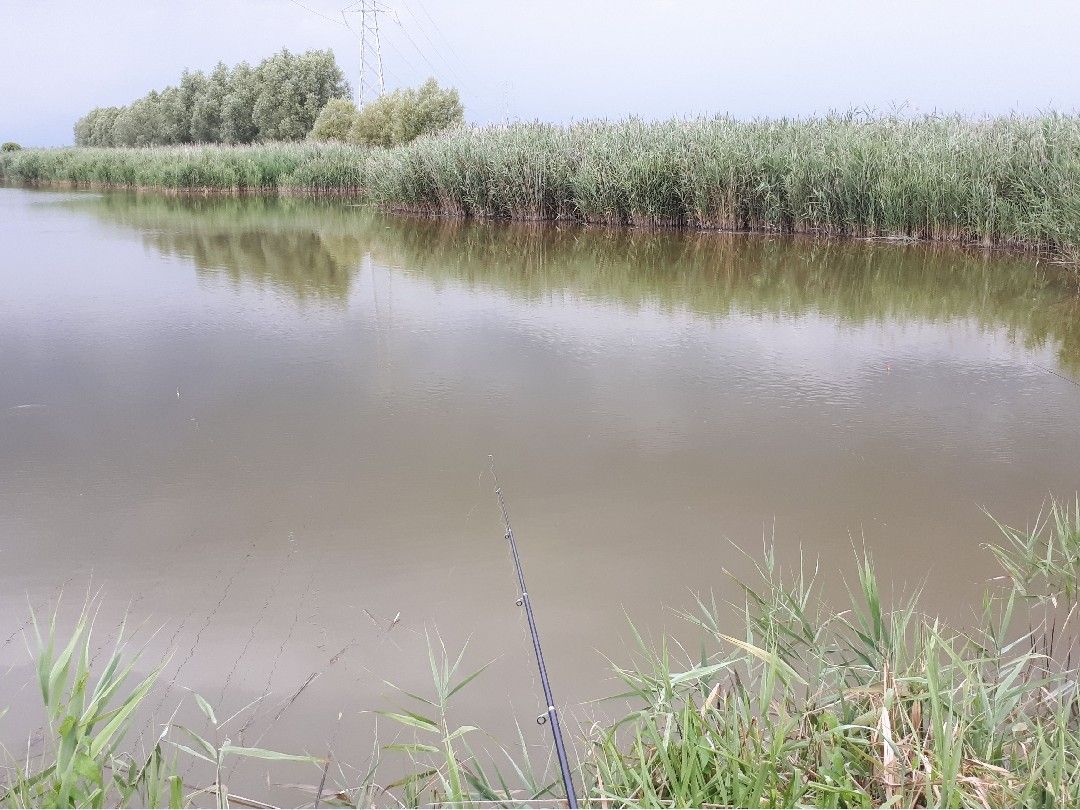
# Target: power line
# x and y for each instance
(388, 42)
(412, 41)
(438, 30)
(419, 50)
(374, 8)
(434, 47)
(404, 58)
(313, 11)
(476, 80)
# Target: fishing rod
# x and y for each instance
(551, 716)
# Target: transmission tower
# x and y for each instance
(371, 82)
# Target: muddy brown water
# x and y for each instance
(261, 428)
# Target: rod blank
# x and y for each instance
(552, 714)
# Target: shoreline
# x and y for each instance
(1010, 181)
(1032, 250)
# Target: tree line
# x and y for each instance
(277, 100)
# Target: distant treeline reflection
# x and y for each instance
(314, 249)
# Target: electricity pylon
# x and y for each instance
(370, 47)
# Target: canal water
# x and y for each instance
(261, 430)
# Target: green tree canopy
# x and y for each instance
(237, 124)
(335, 121)
(278, 100)
(207, 107)
(293, 89)
(395, 118)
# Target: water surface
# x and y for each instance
(265, 426)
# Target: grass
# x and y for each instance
(825, 700)
(870, 706)
(1012, 180)
(81, 764)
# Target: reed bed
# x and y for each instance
(1010, 181)
(794, 698)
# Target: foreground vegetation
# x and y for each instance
(810, 701)
(1002, 181)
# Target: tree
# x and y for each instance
(237, 124)
(83, 127)
(293, 90)
(142, 123)
(191, 89)
(104, 130)
(373, 125)
(429, 109)
(405, 115)
(206, 111)
(96, 127)
(335, 121)
(175, 125)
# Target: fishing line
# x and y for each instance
(205, 625)
(33, 612)
(551, 713)
(278, 656)
(284, 706)
(476, 503)
(136, 599)
(258, 620)
(1057, 374)
(139, 596)
(198, 635)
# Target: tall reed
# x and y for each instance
(856, 703)
(1011, 180)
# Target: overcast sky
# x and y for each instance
(559, 60)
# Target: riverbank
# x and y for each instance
(1009, 181)
(797, 698)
